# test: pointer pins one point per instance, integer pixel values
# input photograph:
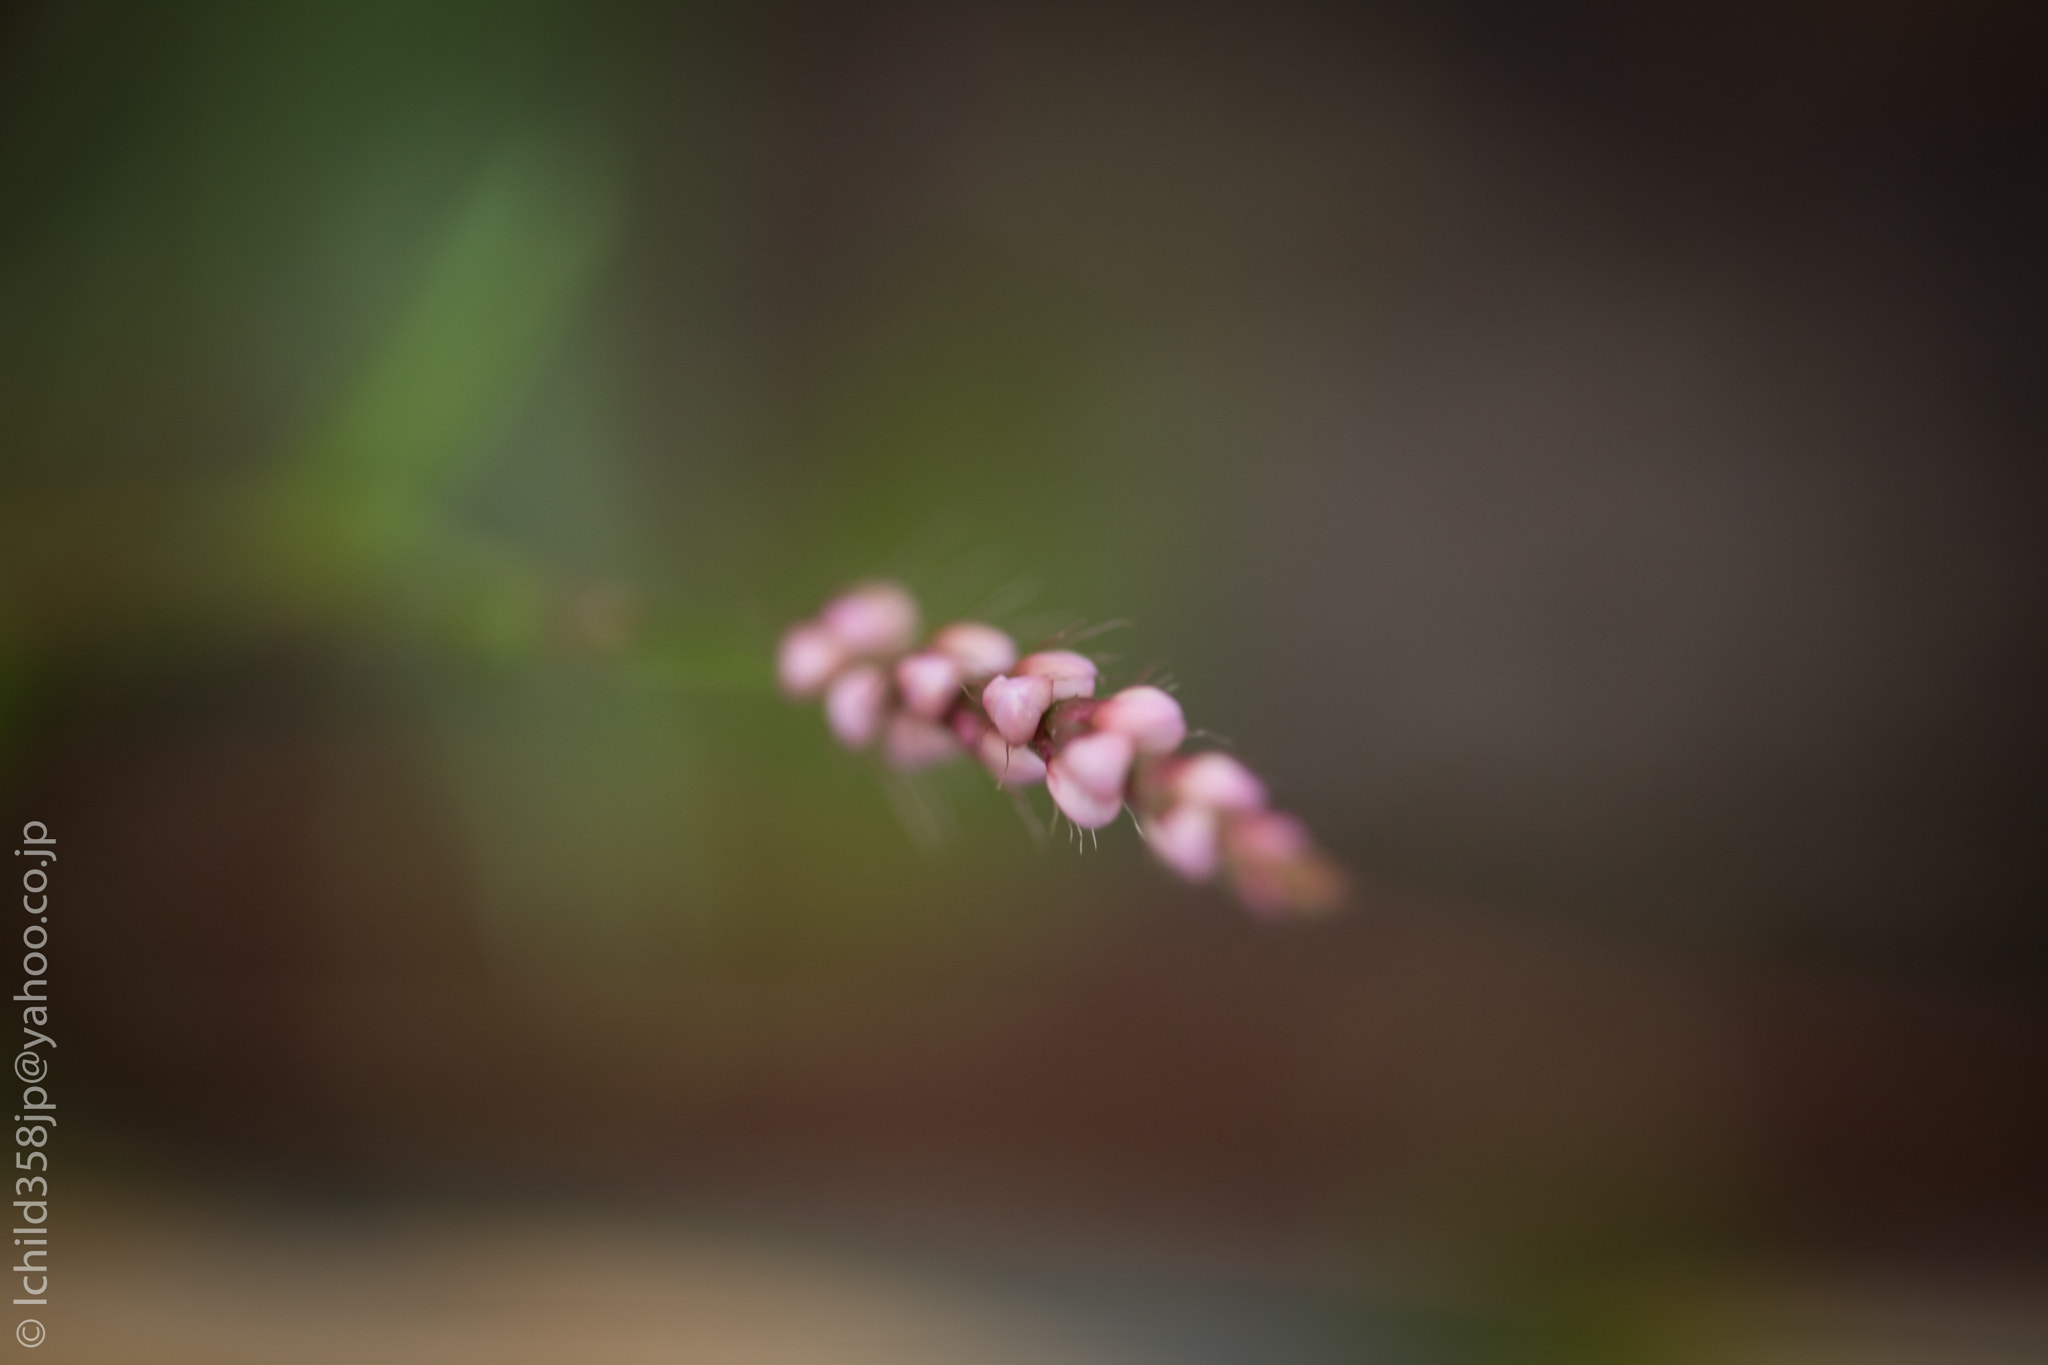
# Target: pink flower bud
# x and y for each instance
(1217, 781)
(1276, 866)
(969, 725)
(1071, 674)
(1268, 837)
(1086, 778)
(929, 683)
(1008, 766)
(1016, 705)
(873, 619)
(808, 659)
(911, 742)
(1151, 719)
(853, 705)
(981, 651)
(1185, 840)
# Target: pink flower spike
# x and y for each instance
(1151, 719)
(1071, 674)
(1016, 705)
(807, 660)
(1086, 778)
(929, 683)
(1185, 840)
(1009, 767)
(981, 651)
(1217, 781)
(853, 705)
(915, 704)
(911, 742)
(873, 619)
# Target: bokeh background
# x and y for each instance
(1589, 460)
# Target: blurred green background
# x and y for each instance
(1589, 464)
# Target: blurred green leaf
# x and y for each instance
(518, 256)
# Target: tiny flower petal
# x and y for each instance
(1099, 762)
(1016, 705)
(1008, 766)
(969, 725)
(1262, 887)
(1086, 778)
(1085, 808)
(807, 660)
(1267, 837)
(1151, 719)
(911, 742)
(981, 651)
(1277, 868)
(1217, 781)
(874, 619)
(1072, 675)
(929, 683)
(853, 705)
(1185, 840)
